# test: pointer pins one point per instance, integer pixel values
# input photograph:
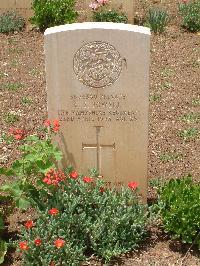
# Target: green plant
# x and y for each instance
(6, 138)
(3, 244)
(15, 50)
(181, 209)
(190, 12)
(10, 22)
(102, 14)
(157, 20)
(34, 72)
(196, 102)
(12, 41)
(37, 156)
(167, 157)
(14, 63)
(49, 13)
(11, 117)
(167, 72)
(76, 215)
(110, 16)
(190, 133)
(2, 74)
(86, 217)
(155, 98)
(191, 117)
(5, 209)
(26, 101)
(12, 86)
(166, 85)
(196, 63)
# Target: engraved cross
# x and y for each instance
(98, 147)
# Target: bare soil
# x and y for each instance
(174, 113)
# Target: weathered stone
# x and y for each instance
(97, 84)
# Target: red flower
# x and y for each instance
(18, 137)
(59, 243)
(56, 123)
(87, 179)
(29, 224)
(47, 181)
(38, 242)
(47, 123)
(133, 185)
(56, 129)
(102, 189)
(73, 174)
(23, 245)
(17, 133)
(53, 211)
(53, 177)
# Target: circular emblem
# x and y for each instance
(97, 64)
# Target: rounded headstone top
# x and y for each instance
(98, 25)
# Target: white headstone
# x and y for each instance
(97, 83)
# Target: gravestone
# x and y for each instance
(22, 7)
(97, 82)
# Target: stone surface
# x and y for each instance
(97, 82)
(23, 7)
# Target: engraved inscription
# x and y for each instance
(97, 64)
(98, 108)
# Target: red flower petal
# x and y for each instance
(56, 129)
(59, 243)
(87, 179)
(29, 224)
(18, 137)
(56, 123)
(53, 211)
(47, 123)
(133, 185)
(102, 189)
(74, 174)
(38, 242)
(23, 245)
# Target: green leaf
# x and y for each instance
(17, 167)
(23, 203)
(58, 155)
(6, 171)
(3, 250)
(30, 157)
(1, 222)
(45, 166)
(32, 138)
(14, 189)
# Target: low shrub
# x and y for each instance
(190, 12)
(157, 20)
(50, 13)
(81, 216)
(3, 244)
(101, 13)
(37, 155)
(77, 215)
(10, 22)
(109, 16)
(181, 209)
